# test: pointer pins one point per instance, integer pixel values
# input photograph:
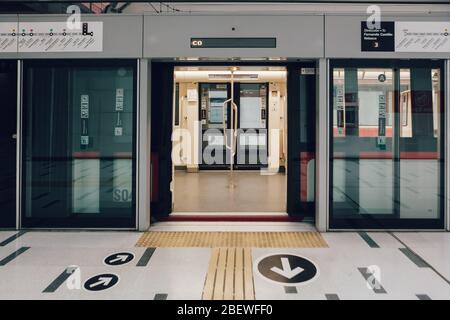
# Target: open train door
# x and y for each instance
(301, 115)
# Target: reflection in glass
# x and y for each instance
(386, 159)
(419, 143)
(362, 171)
(79, 154)
(8, 130)
(307, 122)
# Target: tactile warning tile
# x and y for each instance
(166, 239)
(230, 275)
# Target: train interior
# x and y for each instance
(229, 141)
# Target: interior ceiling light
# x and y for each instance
(236, 76)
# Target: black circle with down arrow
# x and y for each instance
(101, 282)
(287, 269)
(119, 258)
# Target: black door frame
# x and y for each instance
(162, 82)
(296, 105)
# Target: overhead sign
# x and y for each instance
(406, 36)
(101, 282)
(56, 37)
(50, 37)
(422, 36)
(119, 258)
(286, 269)
(233, 42)
(381, 39)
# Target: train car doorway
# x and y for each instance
(232, 149)
(229, 140)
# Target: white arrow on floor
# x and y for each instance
(287, 272)
(102, 280)
(121, 257)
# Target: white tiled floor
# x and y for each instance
(180, 272)
(82, 239)
(433, 247)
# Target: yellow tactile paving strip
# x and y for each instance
(230, 275)
(166, 239)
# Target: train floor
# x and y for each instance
(278, 261)
(250, 192)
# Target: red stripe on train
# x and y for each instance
(97, 155)
(388, 155)
(365, 132)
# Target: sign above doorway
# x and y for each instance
(406, 36)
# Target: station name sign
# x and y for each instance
(233, 43)
(406, 36)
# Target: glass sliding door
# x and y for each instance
(387, 156)
(79, 154)
(8, 92)
(301, 140)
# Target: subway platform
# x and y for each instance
(269, 261)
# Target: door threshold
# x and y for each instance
(228, 213)
(232, 226)
(232, 216)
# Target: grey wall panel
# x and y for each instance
(169, 36)
(8, 18)
(322, 147)
(343, 37)
(144, 146)
(122, 36)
